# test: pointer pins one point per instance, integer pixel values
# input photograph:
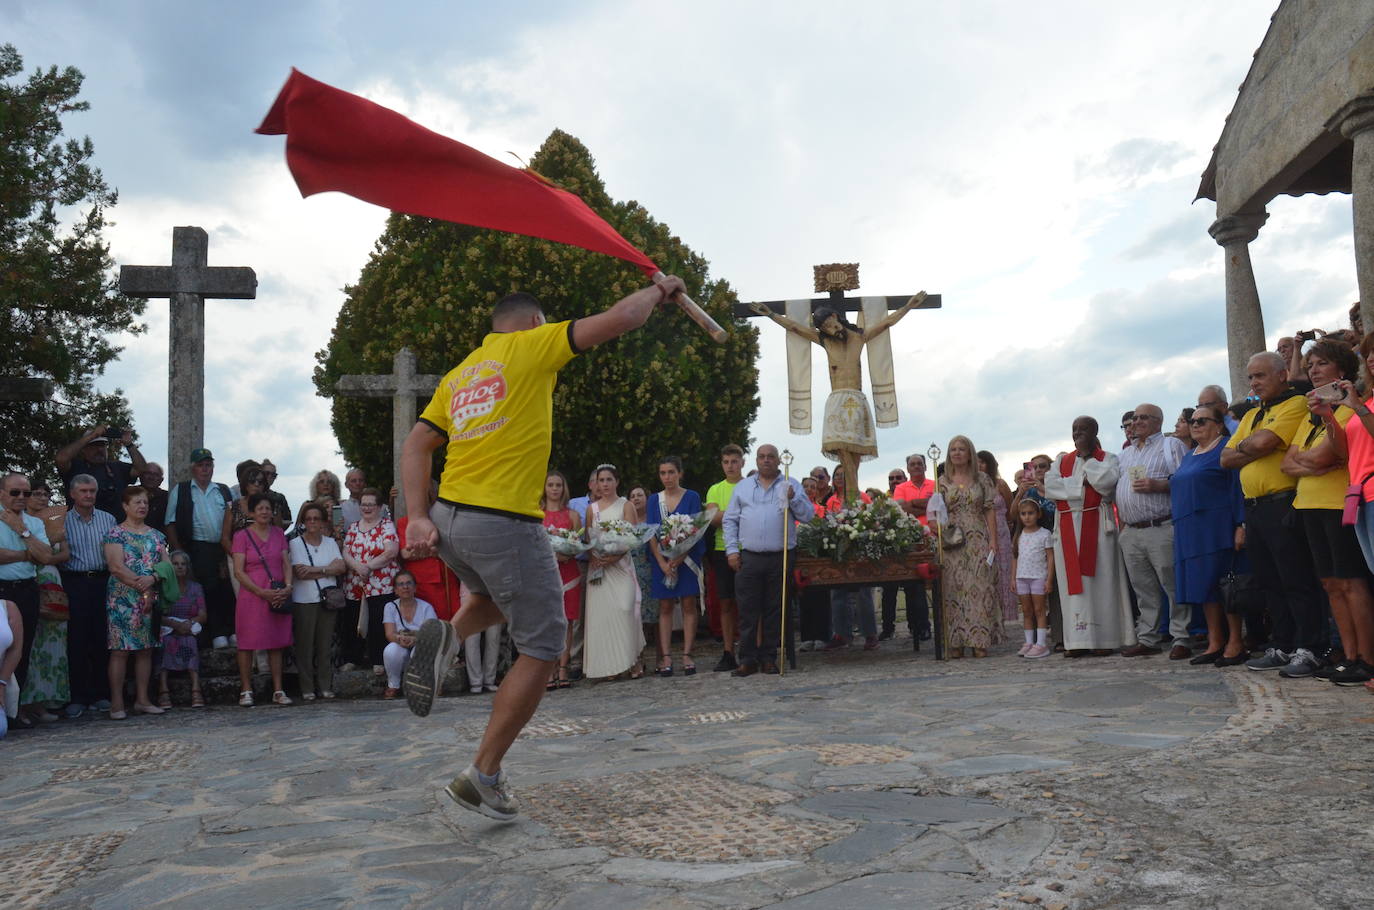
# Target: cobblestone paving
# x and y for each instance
(873, 779)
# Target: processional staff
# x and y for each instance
(786, 460)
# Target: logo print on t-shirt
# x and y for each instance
(476, 399)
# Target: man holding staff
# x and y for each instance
(754, 531)
(494, 411)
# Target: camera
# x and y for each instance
(277, 585)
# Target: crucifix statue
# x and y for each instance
(403, 387)
(187, 282)
(848, 433)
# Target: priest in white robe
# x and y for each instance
(1088, 567)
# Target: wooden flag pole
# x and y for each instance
(696, 313)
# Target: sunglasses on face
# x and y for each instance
(1202, 421)
(21, 494)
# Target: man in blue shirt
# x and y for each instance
(23, 544)
(85, 577)
(195, 520)
(762, 506)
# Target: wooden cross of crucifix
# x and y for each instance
(404, 386)
(848, 428)
(187, 282)
(834, 280)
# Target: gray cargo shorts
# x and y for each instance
(511, 562)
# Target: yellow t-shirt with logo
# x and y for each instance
(496, 408)
(1265, 475)
(1324, 491)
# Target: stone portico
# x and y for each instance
(1301, 124)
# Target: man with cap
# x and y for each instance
(90, 454)
(195, 519)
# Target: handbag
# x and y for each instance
(331, 598)
(1354, 495)
(953, 539)
(1238, 590)
(286, 606)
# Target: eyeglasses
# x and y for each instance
(1202, 421)
(1145, 417)
(20, 494)
(897, 477)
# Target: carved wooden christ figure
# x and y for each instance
(847, 431)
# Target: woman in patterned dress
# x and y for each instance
(131, 550)
(179, 648)
(369, 551)
(48, 685)
(972, 606)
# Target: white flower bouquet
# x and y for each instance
(614, 538)
(679, 533)
(566, 541)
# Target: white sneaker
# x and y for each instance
(1035, 652)
(219, 642)
(1024, 648)
(280, 698)
(233, 641)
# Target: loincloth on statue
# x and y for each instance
(848, 426)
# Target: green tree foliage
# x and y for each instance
(665, 389)
(59, 305)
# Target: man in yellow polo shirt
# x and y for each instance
(720, 494)
(1278, 554)
(494, 412)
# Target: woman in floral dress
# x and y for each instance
(972, 606)
(369, 551)
(131, 550)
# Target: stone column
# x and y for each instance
(1355, 121)
(1244, 319)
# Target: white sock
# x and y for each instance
(1042, 637)
(1030, 636)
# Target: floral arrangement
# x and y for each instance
(566, 541)
(679, 533)
(864, 531)
(616, 537)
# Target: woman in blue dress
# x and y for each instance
(1208, 513)
(674, 579)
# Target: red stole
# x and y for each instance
(1079, 562)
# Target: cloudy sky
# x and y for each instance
(1033, 163)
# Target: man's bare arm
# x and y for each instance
(417, 453)
(791, 325)
(895, 316)
(625, 315)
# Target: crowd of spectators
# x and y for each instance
(1241, 535)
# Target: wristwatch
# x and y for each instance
(25, 534)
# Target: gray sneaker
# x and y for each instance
(1303, 664)
(496, 801)
(434, 648)
(1273, 659)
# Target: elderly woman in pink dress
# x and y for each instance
(262, 564)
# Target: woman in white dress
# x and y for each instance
(614, 637)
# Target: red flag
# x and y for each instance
(338, 141)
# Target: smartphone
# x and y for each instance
(1330, 393)
(336, 515)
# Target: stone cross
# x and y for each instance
(403, 386)
(187, 282)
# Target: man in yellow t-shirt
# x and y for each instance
(1278, 554)
(494, 413)
(732, 463)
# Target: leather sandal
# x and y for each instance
(164, 699)
(689, 667)
(197, 700)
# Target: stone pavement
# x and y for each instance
(863, 779)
